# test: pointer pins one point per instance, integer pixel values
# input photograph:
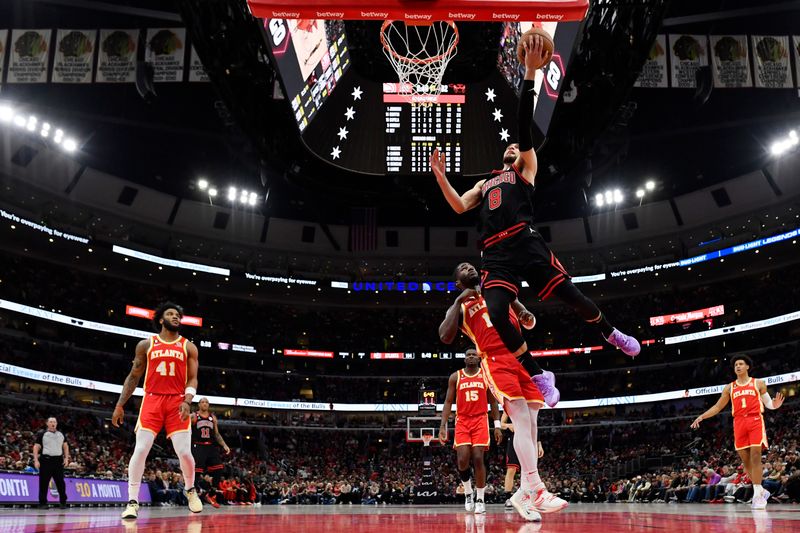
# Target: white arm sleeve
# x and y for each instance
(767, 401)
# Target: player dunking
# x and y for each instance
(508, 381)
(512, 249)
(169, 364)
(748, 397)
(206, 455)
(468, 388)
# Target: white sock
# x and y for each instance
(467, 486)
(144, 441)
(758, 490)
(532, 480)
(182, 442)
(480, 492)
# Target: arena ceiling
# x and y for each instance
(683, 139)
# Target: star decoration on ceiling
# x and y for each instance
(350, 113)
(497, 115)
(336, 152)
(490, 95)
(504, 134)
(342, 133)
(357, 92)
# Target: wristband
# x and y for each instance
(190, 390)
(497, 424)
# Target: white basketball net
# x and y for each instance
(419, 54)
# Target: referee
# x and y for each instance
(54, 451)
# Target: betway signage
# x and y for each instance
(688, 316)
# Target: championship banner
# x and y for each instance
(29, 56)
(771, 61)
(24, 488)
(731, 65)
(687, 54)
(197, 72)
(74, 59)
(795, 47)
(166, 48)
(3, 41)
(654, 71)
(116, 59)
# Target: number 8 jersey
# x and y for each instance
(166, 366)
(506, 205)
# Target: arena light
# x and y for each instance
(202, 184)
(31, 126)
(70, 145)
(650, 185)
(598, 200)
(232, 194)
(243, 198)
(618, 197)
(639, 193)
(6, 113)
(212, 192)
(609, 197)
(20, 121)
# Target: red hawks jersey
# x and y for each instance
(745, 399)
(476, 325)
(166, 366)
(471, 395)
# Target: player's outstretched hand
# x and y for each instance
(778, 400)
(438, 163)
(527, 319)
(696, 423)
(118, 416)
(184, 410)
(535, 52)
(498, 435)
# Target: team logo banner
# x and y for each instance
(117, 56)
(197, 72)
(771, 60)
(687, 54)
(654, 71)
(729, 58)
(29, 56)
(166, 48)
(74, 56)
(3, 41)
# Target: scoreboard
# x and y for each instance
(414, 129)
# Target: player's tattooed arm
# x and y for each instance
(137, 369)
(218, 436)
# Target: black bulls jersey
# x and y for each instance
(506, 203)
(203, 429)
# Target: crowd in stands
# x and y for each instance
(661, 461)
(277, 326)
(640, 379)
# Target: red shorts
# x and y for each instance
(749, 431)
(508, 380)
(472, 431)
(162, 411)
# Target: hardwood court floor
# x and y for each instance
(598, 518)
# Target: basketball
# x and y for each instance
(528, 35)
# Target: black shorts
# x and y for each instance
(511, 454)
(525, 256)
(206, 458)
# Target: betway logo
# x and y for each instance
(375, 14)
(417, 16)
(549, 16)
(285, 15)
(468, 16)
(505, 16)
(330, 14)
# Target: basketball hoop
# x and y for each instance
(426, 440)
(419, 53)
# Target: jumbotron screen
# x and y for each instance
(312, 56)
